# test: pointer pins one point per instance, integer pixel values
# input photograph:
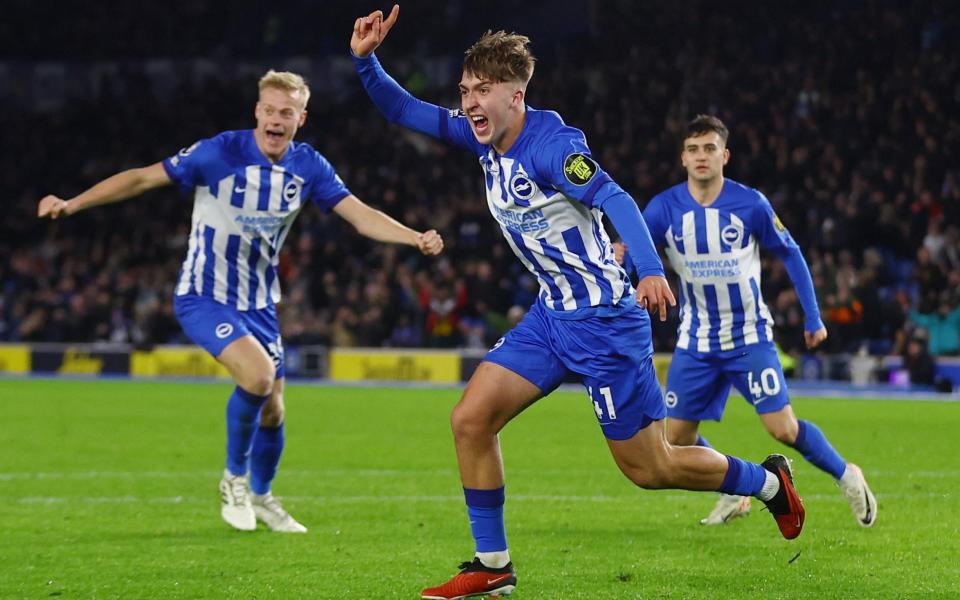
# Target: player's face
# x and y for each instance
(491, 108)
(279, 114)
(704, 156)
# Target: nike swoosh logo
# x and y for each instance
(497, 579)
(866, 501)
(239, 190)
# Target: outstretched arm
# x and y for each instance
(395, 103)
(115, 188)
(377, 225)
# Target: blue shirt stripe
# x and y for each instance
(210, 260)
(761, 322)
(574, 243)
(580, 294)
(233, 275)
(710, 296)
(556, 296)
(736, 309)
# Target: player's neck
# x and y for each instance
(512, 133)
(705, 192)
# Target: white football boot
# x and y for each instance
(861, 499)
(728, 508)
(235, 505)
(268, 509)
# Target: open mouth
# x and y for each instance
(480, 123)
(274, 135)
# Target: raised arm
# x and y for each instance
(395, 103)
(115, 188)
(377, 225)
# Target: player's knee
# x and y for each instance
(785, 433)
(272, 413)
(258, 382)
(466, 423)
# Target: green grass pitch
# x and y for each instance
(109, 490)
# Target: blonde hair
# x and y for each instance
(501, 56)
(287, 82)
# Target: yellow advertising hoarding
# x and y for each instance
(175, 361)
(376, 365)
(14, 359)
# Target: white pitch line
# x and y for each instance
(453, 499)
(147, 475)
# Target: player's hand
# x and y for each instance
(653, 292)
(619, 251)
(815, 338)
(370, 31)
(430, 243)
(51, 207)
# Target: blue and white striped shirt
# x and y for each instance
(244, 206)
(715, 251)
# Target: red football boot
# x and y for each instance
(786, 507)
(475, 579)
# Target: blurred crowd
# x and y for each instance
(846, 117)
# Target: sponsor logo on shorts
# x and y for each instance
(223, 330)
(498, 344)
(671, 398)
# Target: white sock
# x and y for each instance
(494, 560)
(848, 478)
(770, 487)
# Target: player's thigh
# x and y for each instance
(493, 396)
(228, 336)
(647, 451)
(249, 365)
(758, 376)
(696, 388)
(519, 369)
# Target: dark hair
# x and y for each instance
(500, 56)
(702, 124)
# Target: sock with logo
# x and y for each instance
(814, 447)
(243, 414)
(485, 509)
(264, 457)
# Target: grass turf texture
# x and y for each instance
(109, 490)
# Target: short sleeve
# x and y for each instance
(326, 187)
(189, 167)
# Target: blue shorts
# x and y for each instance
(612, 355)
(698, 384)
(213, 326)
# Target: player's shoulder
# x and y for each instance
(744, 193)
(550, 128)
(671, 195)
